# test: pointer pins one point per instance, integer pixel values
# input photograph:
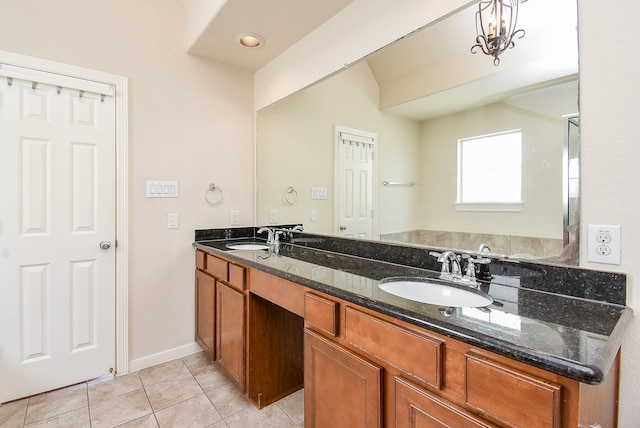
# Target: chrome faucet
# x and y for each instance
(288, 233)
(270, 234)
(452, 270)
(450, 265)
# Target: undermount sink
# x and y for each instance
(248, 246)
(426, 290)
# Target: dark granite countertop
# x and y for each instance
(575, 337)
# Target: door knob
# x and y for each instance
(343, 227)
(105, 245)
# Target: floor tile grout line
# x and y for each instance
(144, 389)
(26, 408)
(26, 411)
(88, 405)
(222, 418)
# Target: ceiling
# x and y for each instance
(280, 22)
(407, 80)
(445, 77)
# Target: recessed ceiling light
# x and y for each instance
(250, 40)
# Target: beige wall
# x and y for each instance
(542, 146)
(190, 120)
(610, 126)
(296, 148)
(609, 90)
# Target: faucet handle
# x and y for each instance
(483, 248)
(470, 273)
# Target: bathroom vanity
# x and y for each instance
(311, 315)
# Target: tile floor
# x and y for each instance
(188, 392)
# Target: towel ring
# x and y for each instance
(291, 196)
(214, 189)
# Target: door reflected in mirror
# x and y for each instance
(419, 99)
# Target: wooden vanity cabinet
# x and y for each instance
(230, 333)
(205, 312)
(205, 291)
(431, 380)
(221, 313)
(231, 298)
(342, 389)
(361, 368)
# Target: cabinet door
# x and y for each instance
(417, 408)
(205, 312)
(230, 331)
(522, 399)
(341, 388)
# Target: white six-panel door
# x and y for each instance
(354, 185)
(57, 203)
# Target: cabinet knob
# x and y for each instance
(343, 227)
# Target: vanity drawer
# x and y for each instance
(237, 275)
(321, 314)
(201, 260)
(217, 267)
(418, 355)
(283, 293)
(511, 396)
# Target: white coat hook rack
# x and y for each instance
(214, 195)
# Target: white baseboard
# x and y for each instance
(164, 356)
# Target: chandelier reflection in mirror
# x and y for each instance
(496, 27)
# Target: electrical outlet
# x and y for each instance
(604, 244)
(235, 218)
(318, 272)
(273, 216)
(314, 215)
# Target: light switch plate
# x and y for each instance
(172, 221)
(162, 189)
(318, 193)
(235, 218)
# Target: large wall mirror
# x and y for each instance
(403, 111)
